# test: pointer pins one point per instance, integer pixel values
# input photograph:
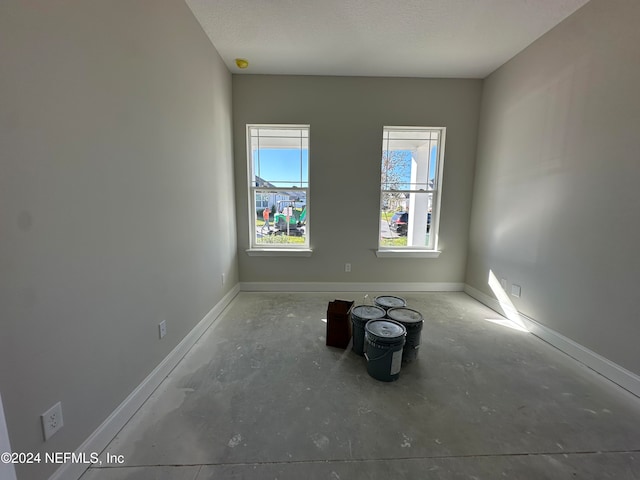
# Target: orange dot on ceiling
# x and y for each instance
(242, 63)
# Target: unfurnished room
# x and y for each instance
(246, 239)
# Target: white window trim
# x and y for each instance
(413, 251)
(407, 253)
(279, 252)
(274, 250)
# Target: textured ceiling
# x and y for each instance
(408, 38)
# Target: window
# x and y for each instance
(278, 158)
(410, 187)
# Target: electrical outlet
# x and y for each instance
(162, 328)
(503, 284)
(347, 267)
(223, 279)
(516, 290)
(51, 421)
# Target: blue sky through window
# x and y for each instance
(283, 167)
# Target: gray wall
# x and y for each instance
(346, 115)
(556, 203)
(116, 203)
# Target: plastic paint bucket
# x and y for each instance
(412, 320)
(360, 315)
(389, 301)
(384, 341)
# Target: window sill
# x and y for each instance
(279, 252)
(389, 253)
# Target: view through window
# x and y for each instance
(411, 175)
(278, 158)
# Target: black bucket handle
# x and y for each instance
(381, 356)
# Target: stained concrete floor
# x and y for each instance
(260, 396)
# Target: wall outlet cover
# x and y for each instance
(52, 421)
(162, 328)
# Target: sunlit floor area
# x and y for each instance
(260, 396)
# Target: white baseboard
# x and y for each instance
(612, 371)
(483, 298)
(350, 287)
(107, 431)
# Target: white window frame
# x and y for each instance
(417, 251)
(276, 249)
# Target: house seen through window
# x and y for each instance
(410, 186)
(278, 158)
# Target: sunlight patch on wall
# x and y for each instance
(513, 319)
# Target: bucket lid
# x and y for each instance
(385, 329)
(368, 312)
(405, 315)
(390, 301)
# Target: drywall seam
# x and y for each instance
(605, 367)
(349, 287)
(107, 431)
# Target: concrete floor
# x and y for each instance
(260, 396)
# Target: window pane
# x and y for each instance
(281, 217)
(405, 170)
(409, 140)
(433, 162)
(422, 133)
(280, 157)
(283, 132)
(396, 169)
(405, 220)
(281, 168)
